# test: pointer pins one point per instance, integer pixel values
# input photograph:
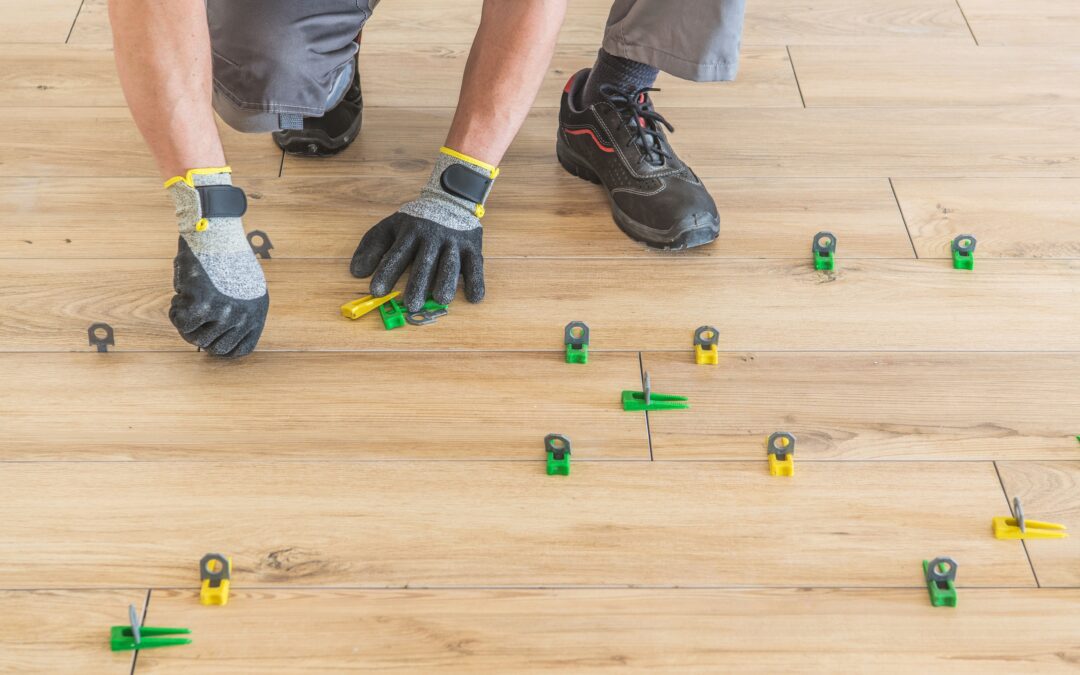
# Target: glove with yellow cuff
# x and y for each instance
(439, 234)
(221, 300)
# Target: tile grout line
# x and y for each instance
(903, 219)
(967, 23)
(142, 619)
(1023, 543)
(74, 21)
(648, 429)
(798, 86)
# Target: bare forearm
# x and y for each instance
(509, 57)
(163, 59)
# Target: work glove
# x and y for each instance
(439, 234)
(221, 299)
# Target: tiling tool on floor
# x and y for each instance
(963, 252)
(824, 248)
(940, 575)
(127, 638)
(557, 448)
(781, 449)
(649, 400)
(360, 307)
(101, 336)
(215, 570)
(576, 338)
(261, 249)
(428, 314)
(706, 346)
(393, 314)
(1020, 528)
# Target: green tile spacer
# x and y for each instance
(557, 447)
(393, 314)
(648, 400)
(129, 638)
(824, 248)
(576, 337)
(963, 252)
(940, 575)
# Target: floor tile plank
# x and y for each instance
(393, 76)
(1007, 141)
(866, 305)
(546, 214)
(821, 143)
(646, 631)
(895, 75)
(1036, 22)
(386, 406)
(500, 523)
(917, 406)
(1011, 218)
(768, 22)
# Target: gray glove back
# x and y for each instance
(439, 234)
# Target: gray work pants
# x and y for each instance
(278, 61)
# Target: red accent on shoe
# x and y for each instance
(578, 132)
(566, 89)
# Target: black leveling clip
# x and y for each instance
(101, 336)
(262, 249)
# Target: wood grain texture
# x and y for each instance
(896, 75)
(58, 75)
(641, 631)
(43, 21)
(1011, 218)
(768, 22)
(316, 406)
(1037, 22)
(398, 143)
(91, 142)
(1048, 491)
(393, 76)
(767, 305)
(59, 631)
(546, 214)
(419, 524)
(928, 406)
(818, 142)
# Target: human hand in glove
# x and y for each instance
(221, 300)
(439, 234)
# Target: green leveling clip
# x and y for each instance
(963, 252)
(576, 337)
(824, 249)
(557, 447)
(940, 574)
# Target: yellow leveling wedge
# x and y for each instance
(358, 308)
(1020, 528)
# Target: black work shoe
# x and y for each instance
(331, 133)
(620, 143)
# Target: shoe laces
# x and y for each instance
(636, 110)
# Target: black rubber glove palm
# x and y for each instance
(438, 254)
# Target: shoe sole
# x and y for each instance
(315, 143)
(698, 236)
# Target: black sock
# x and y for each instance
(622, 73)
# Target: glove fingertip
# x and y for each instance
(474, 292)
